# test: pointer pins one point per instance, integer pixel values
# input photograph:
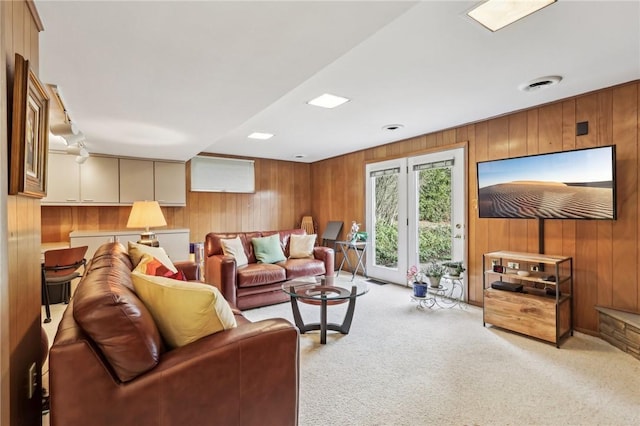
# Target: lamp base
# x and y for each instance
(149, 239)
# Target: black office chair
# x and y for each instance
(59, 268)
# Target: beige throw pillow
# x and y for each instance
(301, 246)
(233, 247)
(183, 311)
(136, 251)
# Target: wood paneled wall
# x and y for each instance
(606, 253)
(281, 198)
(20, 291)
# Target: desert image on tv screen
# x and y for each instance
(565, 185)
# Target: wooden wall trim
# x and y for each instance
(417, 152)
(35, 15)
(5, 401)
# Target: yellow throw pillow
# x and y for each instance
(136, 251)
(233, 247)
(301, 246)
(183, 311)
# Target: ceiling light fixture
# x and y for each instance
(540, 83)
(328, 101)
(79, 151)
(392, 127)
(260, 136)
(497, 14)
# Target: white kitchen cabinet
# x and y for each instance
(170, 183)
(136, 180)
(63, 179)
(104, 180)
(99, 181)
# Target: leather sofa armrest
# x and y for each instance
(327, 255)
(220, 271)
(255, 368)
(189, 268)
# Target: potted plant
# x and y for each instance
(416, 277)
(434, 272)
(455, 268)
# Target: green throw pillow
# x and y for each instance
(267, 249)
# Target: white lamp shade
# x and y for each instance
(145, 214)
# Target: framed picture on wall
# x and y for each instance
(29, 134)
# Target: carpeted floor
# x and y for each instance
(406, 366)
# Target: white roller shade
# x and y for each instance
(216, 174)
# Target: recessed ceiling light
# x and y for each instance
(299, 156)
(540, 83)
(328, 101)
(261, 136)
(497, 14)
(392, 127)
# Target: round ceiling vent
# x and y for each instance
(392, 127)
(540, 83)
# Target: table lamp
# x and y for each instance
(145, 214)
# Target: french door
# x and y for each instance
(415, 213)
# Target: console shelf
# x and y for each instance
(544, 307)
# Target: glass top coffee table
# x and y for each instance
(324, 291)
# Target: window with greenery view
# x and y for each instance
(434, 216)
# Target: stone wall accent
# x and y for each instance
(621, 329)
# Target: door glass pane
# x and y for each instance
(434, 214)
(386, 219)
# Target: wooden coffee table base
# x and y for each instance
(323, 302)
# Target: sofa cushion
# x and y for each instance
(296, 268)
(233, 247)
(301, 246)
(183, 311)
(268, 249)
(136, 251)
(108, 310)
(257, 274)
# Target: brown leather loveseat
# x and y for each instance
(259, 284)
(109, 365)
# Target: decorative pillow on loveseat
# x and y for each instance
(233, 247)
(268, 249)
(301, 246)
(183, 311)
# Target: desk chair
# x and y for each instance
(59, 268)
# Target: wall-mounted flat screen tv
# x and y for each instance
(578, 184)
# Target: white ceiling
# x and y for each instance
(168, 80)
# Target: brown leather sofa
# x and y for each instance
(109, 366)
(259, 284)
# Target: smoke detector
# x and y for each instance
(540, 83)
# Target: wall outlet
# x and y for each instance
(535, 268)
(513, 265)
(32, 380)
